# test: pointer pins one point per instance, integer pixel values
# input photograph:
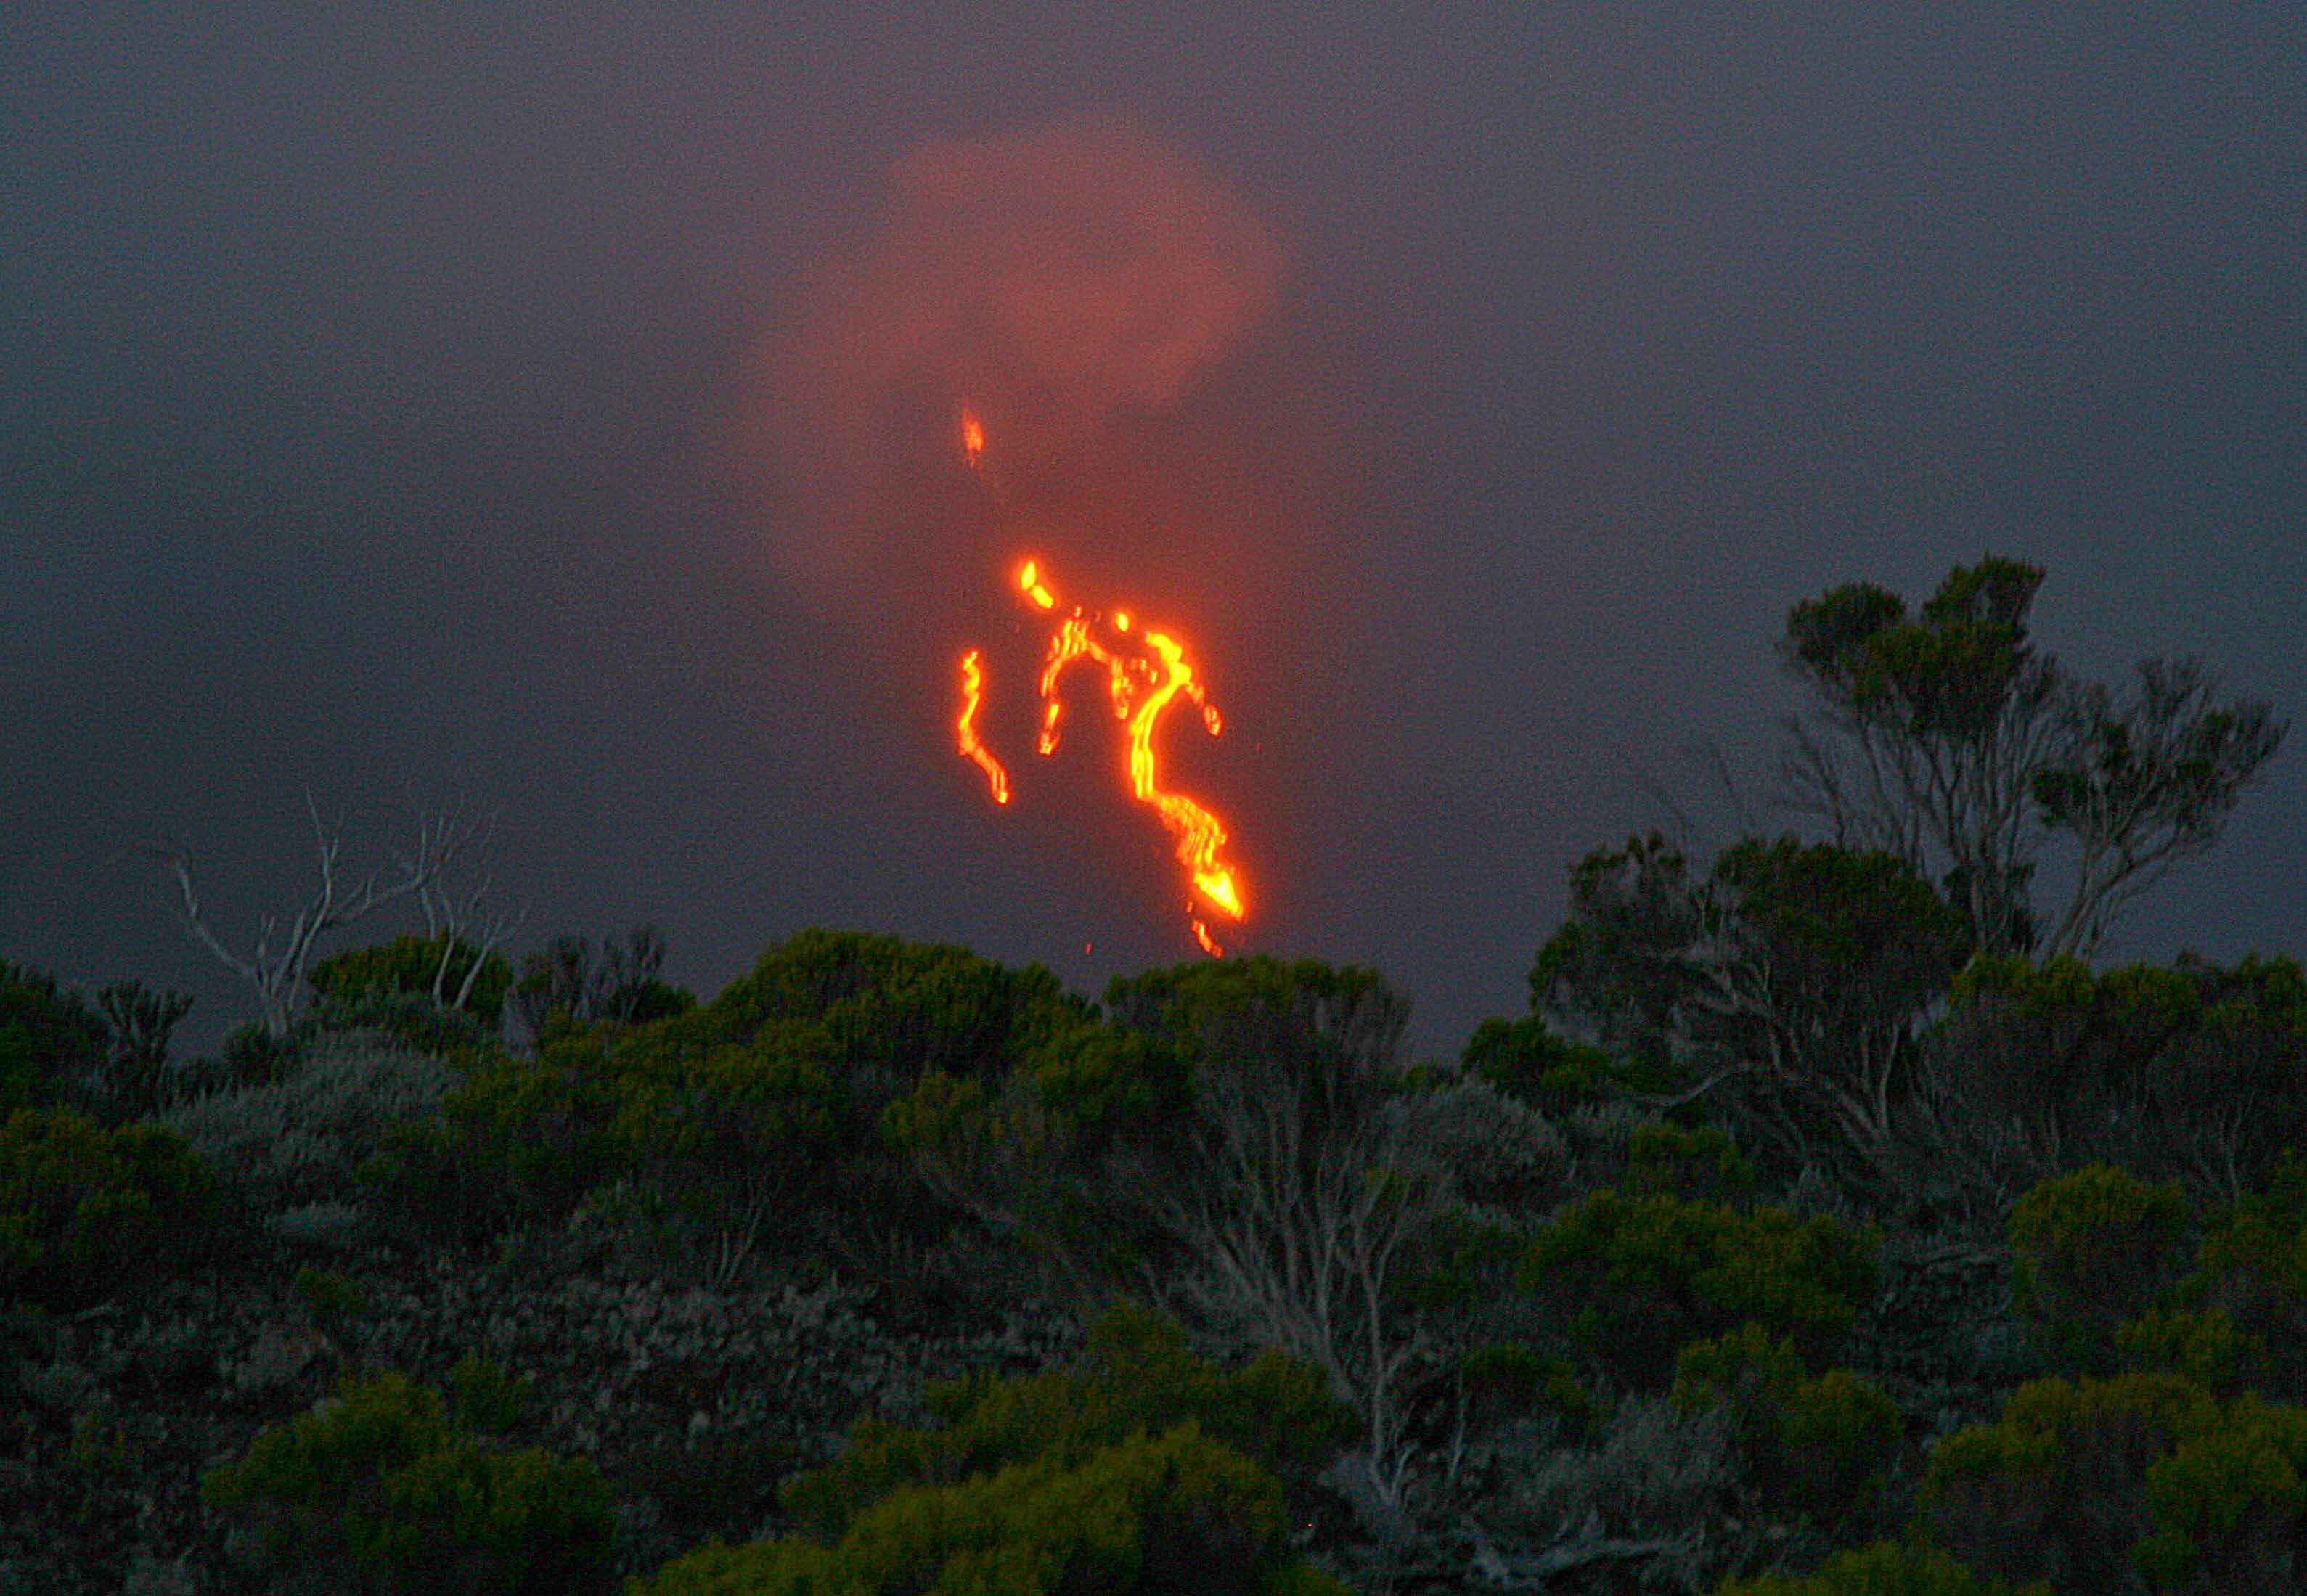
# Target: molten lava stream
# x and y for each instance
(1141, 684)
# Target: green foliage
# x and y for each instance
(2252, 1265)
(1803, 970)
(48, 1038)
(485, 1399)
(301, 1140)
(1699, 1165)
(252, 1055)
(84, 1210)
(2092, 1484)
(378, 1483)
(1135, 1376)
(1815, 1449)
(2208, 1347)
(1886, 1568)
(892, 1010)
(1947, 734)
(1170, 1514)
(1638, 1278)
(1332, 1018)
(519, 1138)
(2186, 1068)
(1949, 672)
(2229, 1505)
(1553, 1074)
(2088, 1249)
(434, 967)
(1940, 692)
(137, 1079)
(570, 985)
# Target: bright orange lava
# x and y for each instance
(1141, 684)
(972, 688)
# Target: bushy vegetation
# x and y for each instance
(378, 1485)
(1828, 1224)
(1138, 1468)
(87, 1213)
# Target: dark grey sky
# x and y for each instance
(366, 389)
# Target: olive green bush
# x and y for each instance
(379, 1486)
(2145, 1482)
(485, 1399)
(2089, 1249)
(1634, 1279)
(2251, 1266)
(1816, 1449)
(754, 1124)
(1172, 1514)
(1698, 1163)
(517, 1139)
(1135, 1375)
(48, 1037)
(86, 1212)
(1136, 1467)
(446, 969)
(2208, 1347)
(1507, 1381)
(2188, 1072)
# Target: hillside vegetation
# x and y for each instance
(1833, 1221)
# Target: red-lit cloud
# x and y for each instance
(1052, 278)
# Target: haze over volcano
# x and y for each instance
(563, 418)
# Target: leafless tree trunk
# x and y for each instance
(1297, 1223)
(276, 965)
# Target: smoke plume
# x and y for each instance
(1053, 280)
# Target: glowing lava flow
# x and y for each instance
(972, 688)
(1141, 686)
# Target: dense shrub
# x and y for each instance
(48, 1037)
(2095, 1484)
(85, 1211)
(519, 1138)
(1172, 1514)
(753, 1123)
(1886, 1568)
(442, 969)
(1637, 1278)
(1135, 1375)
(2252, 1265)
(301, 1140)
(2189, 1070)
(378, 1485)
(1507, 1381)
(1698, 1164)
(1816, 1449)
(2087, 1250)
(1552, 1073)
(893, 1010)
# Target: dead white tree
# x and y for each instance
(277, 964)
(471, 925)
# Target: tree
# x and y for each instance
(446, 970)
(278, 971)
(1805, 971)
(48, 1037)
(621, 982)
(1947, 740)
(1310, 1172)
